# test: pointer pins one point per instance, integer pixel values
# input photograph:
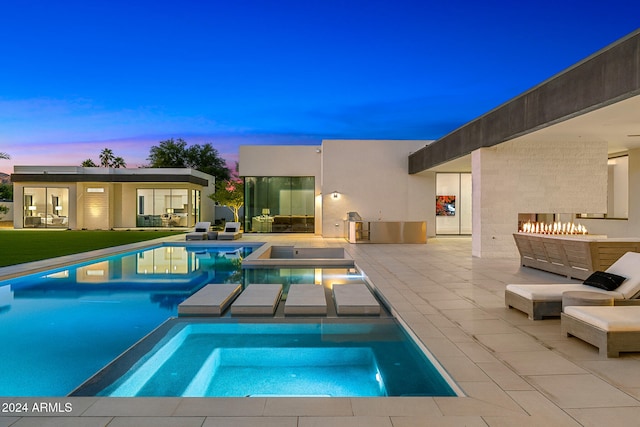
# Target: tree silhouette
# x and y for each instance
(107, 160)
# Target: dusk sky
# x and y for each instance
(80, 76)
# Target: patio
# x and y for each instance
(514, 371)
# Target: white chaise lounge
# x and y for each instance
(611, 329)
(231, 231)
(539, 301)
(200, 231)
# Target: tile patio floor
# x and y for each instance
(514, 371)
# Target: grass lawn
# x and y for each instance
(18, 246)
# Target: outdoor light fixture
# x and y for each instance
(335, 194)
(32, 208)
(58, 208)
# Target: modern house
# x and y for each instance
(567, 149)
(106, 198)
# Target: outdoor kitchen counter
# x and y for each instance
(368, 231)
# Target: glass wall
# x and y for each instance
(279, 204)
(162, 207)
(46, 207)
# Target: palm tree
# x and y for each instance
(118, 162)
(106, 157)
(89, 164)
(4, 155)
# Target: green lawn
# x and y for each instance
(18, 246)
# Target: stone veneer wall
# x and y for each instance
(532, 177)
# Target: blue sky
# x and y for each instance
(80, 76)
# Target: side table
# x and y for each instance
(585, 298)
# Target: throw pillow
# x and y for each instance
(230, 229)
(604, 280)
(200, 230)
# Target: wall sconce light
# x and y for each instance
(335, 195)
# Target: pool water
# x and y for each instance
(338, 359)
(60, 327)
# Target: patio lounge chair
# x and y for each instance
(199, 232)
(231, 231)
(540, 301)
(611, 329)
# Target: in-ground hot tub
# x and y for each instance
(292, 256)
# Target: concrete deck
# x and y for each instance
(514, 371)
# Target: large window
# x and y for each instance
(162, 207)
(277, 204)
(46, 207)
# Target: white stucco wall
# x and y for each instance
(280, 160)
(372, 179)
(532, 177)
(285, 160)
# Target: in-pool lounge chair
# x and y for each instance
(199, 232)
(231, 231)
(540, 301)
(611, 329)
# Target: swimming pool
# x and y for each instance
(59, 327)
(334, 358)
(64, 325)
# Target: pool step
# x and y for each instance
(212, 300)
(355, 299)
(263, 299)
(257, 300)
(305, 299)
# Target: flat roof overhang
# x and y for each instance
(64, 177)
(604, 87)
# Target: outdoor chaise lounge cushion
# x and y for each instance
(608, 318)
(200, 231)
(628, 265)
(231, 231)
(613, 329)
(604, 280)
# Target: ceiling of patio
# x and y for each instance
(618, 124)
